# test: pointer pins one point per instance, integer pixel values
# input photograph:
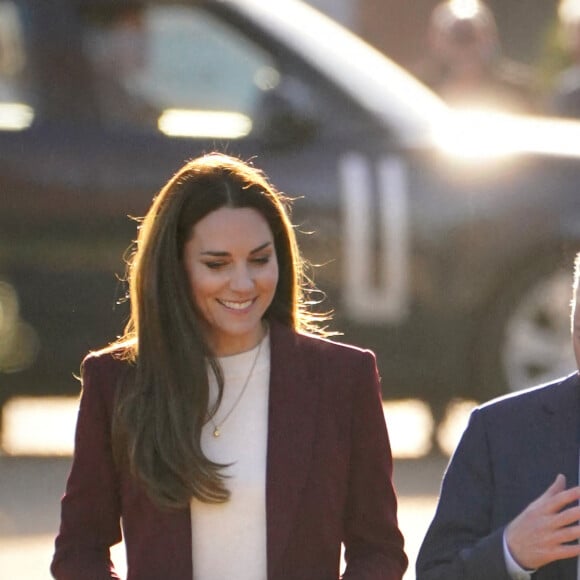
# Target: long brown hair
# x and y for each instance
(162, 403)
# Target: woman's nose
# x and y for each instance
(241, 280)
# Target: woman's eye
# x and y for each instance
(261, 260)
(214, 265)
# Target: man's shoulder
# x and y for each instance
(545, 394)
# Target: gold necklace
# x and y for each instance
(217, 427)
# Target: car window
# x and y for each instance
(15, 110)
(177, 67)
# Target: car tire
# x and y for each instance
(524, 335)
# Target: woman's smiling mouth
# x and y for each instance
(237, 305)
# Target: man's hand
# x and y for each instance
(539, 534)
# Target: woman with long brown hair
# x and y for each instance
(229, 439)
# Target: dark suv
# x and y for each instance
(452, 262)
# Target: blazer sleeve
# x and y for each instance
(460, 543)
(90, 507)
(373, 541)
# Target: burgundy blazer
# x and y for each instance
(328, 477)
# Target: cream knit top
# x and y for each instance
(229, 539)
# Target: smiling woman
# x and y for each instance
(228, 433)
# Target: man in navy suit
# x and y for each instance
(509, 508)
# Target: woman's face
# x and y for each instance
(231, 264)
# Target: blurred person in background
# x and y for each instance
(230, 438)
(465, 66)
(117, 46)
(564, 99)
(508, 507)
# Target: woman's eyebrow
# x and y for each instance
(223, 254)
(216, 253)
(261, 247)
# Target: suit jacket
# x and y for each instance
(511, 451)
(328, 477)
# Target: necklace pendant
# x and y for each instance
(216, 429)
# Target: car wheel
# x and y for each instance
(525, 338)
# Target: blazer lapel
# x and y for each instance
(291, 430)
(564, 446)
(563, 426)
